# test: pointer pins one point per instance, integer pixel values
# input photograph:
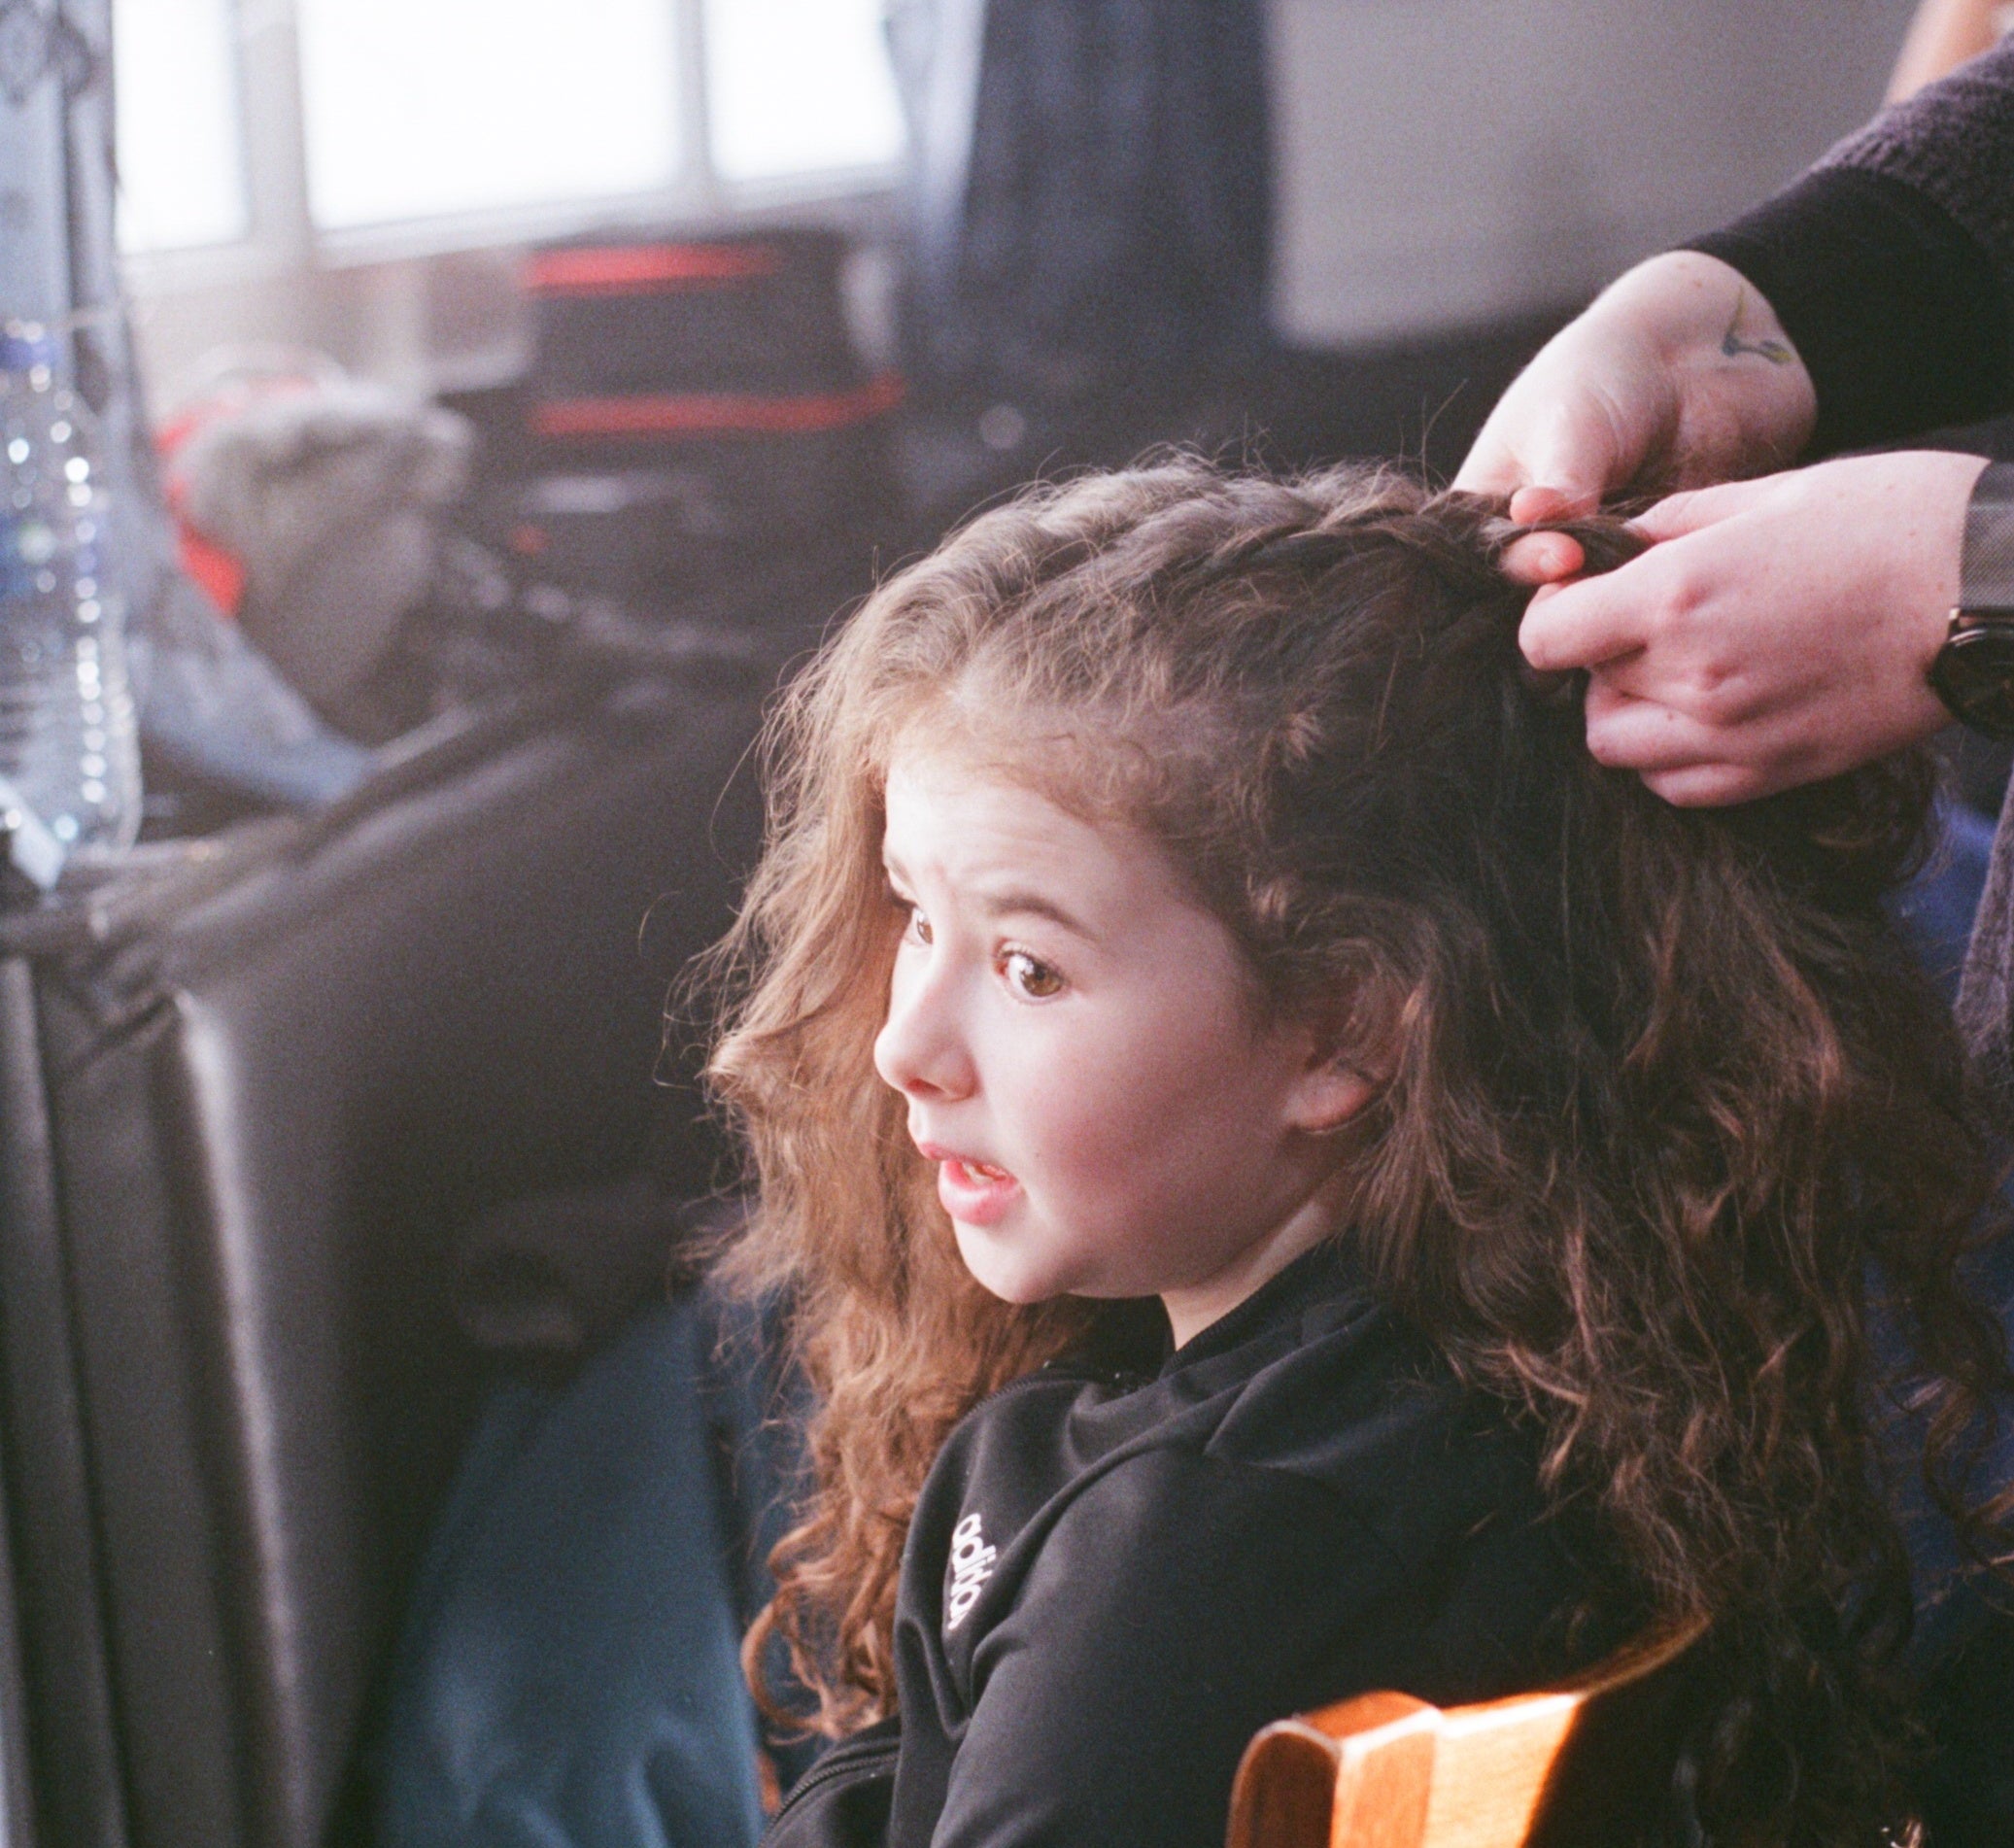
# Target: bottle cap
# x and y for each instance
(24, 346)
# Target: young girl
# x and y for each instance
(1290, 1178)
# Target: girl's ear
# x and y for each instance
(1347, 1053)
(1328, 1094)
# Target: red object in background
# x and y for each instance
(698, 413)
(725, 337)
(623, 270)
(217, 573)
(215, 570)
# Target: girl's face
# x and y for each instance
(1082, 1058)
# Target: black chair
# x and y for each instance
(248, 1091)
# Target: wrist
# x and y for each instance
(1973, 670)
(1742, 399)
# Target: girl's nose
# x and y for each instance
(919, 1050)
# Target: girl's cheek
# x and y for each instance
(1048, 1096)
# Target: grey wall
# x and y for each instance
(1449, 161)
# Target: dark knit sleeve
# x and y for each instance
(1891, 263)
(1953, 142)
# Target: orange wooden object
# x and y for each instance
(1563, 1766)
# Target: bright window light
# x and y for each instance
(424, 108)
(798, 86)
(181, 165)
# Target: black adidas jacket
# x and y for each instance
(1113, 1579)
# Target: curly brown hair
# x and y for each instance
(1662, 1097)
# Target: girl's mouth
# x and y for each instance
(973, 1191)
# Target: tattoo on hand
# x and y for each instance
(1734, 346)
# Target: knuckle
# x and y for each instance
(1606, 746)
(1538, 636)
(1681, 597)
(1718, 697)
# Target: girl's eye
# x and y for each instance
(917, 929)
(1029, 978)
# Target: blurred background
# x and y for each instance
(974, 243)
(366, 175)
(720, 289)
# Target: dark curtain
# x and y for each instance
(1091, 201)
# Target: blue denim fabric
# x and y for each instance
(1935, 908)
(1961, 1650)
(1960, 1654)
(1935, 912)
(570, 1675)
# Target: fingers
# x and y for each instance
(1627, 733)
(1495, 464)
(1573, 458)
(1677, 515)
(1711, 785)
(1687, 763)
(1586, 624)
(1774, 631)
(1597, 620)
(1554, 464)
(1536, 504)
(1547, 558)
(1543, 557)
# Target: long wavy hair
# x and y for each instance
(1662, 1102)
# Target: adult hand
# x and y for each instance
(1779, 630)
(1679, 374)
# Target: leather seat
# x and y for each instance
(272, 1099)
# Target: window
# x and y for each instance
(438, 115)
(425, 108)
(797, 85)
(181, 161)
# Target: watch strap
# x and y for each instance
(1973, 672)
(1986, 564)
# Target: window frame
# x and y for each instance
(281, 237)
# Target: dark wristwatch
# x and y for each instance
(1973, 674)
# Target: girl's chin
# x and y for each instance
(1002, 1271)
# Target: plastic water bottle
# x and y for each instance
(69, 749)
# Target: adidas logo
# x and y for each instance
(971, 1565)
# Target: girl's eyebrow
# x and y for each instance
(1013, 901)
(1016, 901)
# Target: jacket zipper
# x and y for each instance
(836, 1768)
